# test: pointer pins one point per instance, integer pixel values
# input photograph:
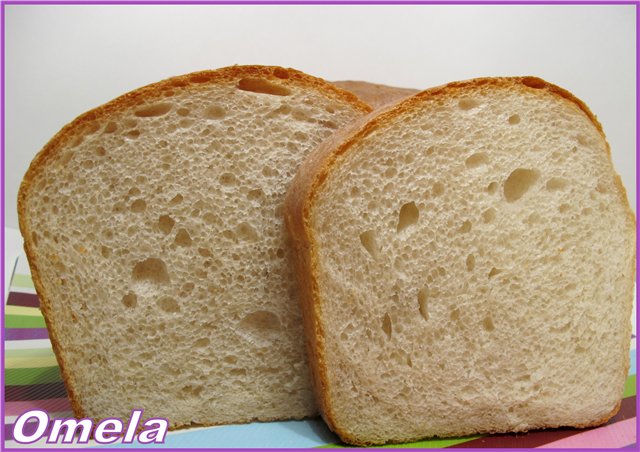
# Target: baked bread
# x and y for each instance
(154, 231)
(375, 94)
(466, 262)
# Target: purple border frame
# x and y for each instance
(266, 3)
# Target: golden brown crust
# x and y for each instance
(374, 94)
(140, 96)
(308, 182)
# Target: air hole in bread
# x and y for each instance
(268, 171)
(230, 359)
(188, 287)
(514, 119)
(215, 112)
(183, 238)
(533, 82)
(202, 342)
(556, 183)
(260, 323)
(64, 160)
(283, 109)
(168, 304)
(227, 179)
(489, 215)
(183, 111)
(177, 199)
(487, 324)
(533, 218)
(110, 127)
(105, 251)
(152, 269)
(409, 215)
(139, 205)
(437, 189)
(118, 207)
(423, 299)
(130, 300)
(255, 194)
(100, 151)
(455, 314)
(476, 160)
(492, 188)
(471, 262)
(204, 252)
(190, 391)
(329, 124)
(76, 141)
(186, 123)
(210, 218)
(246, 232)
(261, 86)
(493, 272)
(368, 241)
(519, 183)
(465, 227)
(165, 223)
(564, 208)
(281, 73)
(386, 325)
(468, 104)
(132, 134)
(159, 109)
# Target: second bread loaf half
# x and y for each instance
(467, 261)
(154, 230)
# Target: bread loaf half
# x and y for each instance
(154, 230)
(467, 262)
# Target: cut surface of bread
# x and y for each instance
(375, 94)
(466, 262)
(154, 231)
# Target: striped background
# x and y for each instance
(32, 380)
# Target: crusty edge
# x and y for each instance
(374, 94)
(83, 123)
(308, 183)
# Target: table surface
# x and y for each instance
(32, 380)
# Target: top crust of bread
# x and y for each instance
(319, 165)
(144, 95)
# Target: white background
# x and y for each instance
(64, 60)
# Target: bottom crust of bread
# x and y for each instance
(345, 437)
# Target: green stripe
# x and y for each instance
(23, 281)
(23, 377)
(23, 321)
(630, 386)
(435, 443)
(27, 352)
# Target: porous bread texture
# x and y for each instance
(375, 94)
(466, 260)
(153, 227)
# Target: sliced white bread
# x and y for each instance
(154, 230)
(466, 262)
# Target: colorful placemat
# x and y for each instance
(32, 381)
